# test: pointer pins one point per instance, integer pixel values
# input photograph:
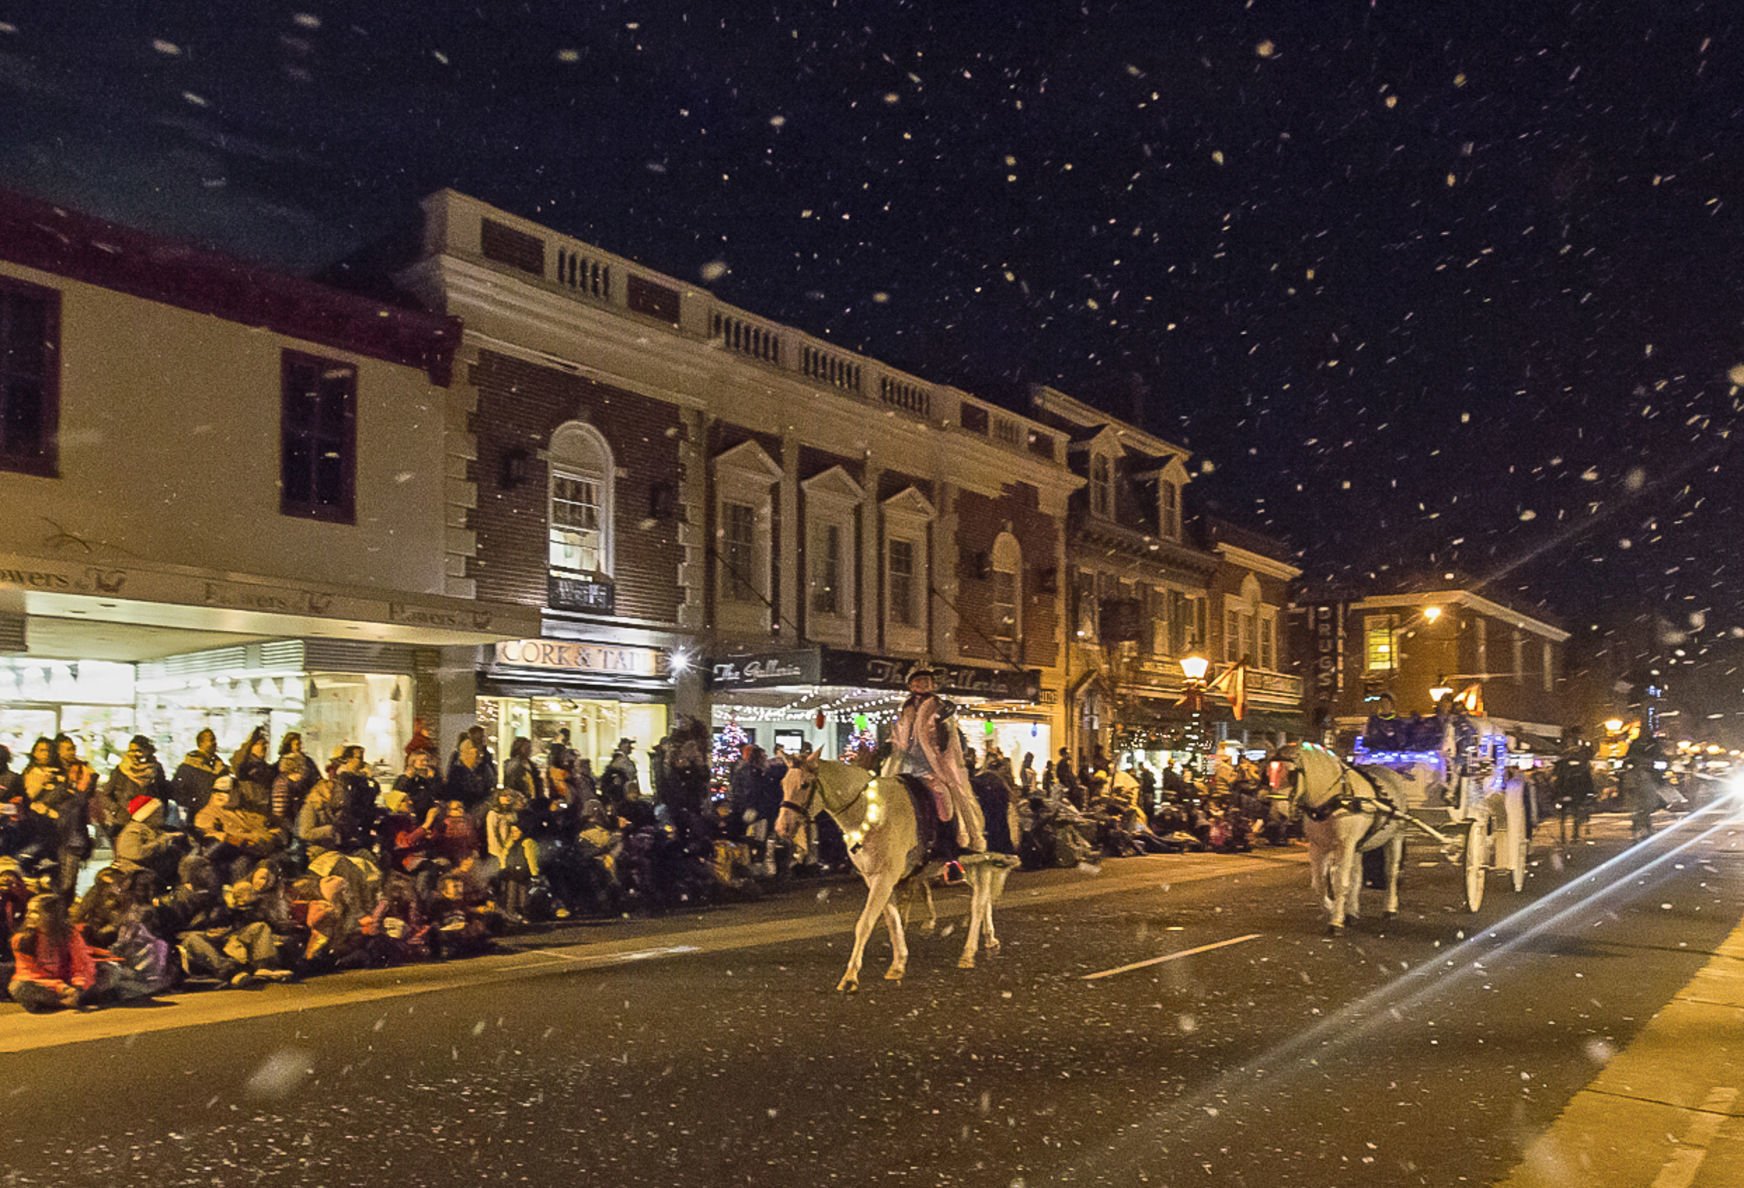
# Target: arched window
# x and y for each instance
(1007, 599)
(580, 500)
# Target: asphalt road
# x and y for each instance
(1426, 1051)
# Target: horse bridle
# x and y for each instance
(809, 785)
(812, 786)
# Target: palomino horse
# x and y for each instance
(1350, 811)
(878, 822)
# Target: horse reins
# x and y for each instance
(813, 787)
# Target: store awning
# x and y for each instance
(188, 599)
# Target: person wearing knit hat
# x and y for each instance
(144, 843)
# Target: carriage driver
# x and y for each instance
(925, 744)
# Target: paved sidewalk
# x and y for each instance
(1668, 1110)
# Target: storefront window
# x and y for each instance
(594, 726)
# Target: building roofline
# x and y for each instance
(81, 247)
(1051, 399)
(1467, 598)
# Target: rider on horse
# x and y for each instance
(925, 744)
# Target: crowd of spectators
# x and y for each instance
(1075, 814)
(268, 866)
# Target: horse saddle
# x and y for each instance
(938, 839)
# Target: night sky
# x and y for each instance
(1436, 288)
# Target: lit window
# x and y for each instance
(1380, 637)
(580, 512)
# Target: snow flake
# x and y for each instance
(1266, 48)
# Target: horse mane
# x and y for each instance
(842, 780)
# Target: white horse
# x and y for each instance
(1349, 812)
(878, 822)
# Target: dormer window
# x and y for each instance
(1169, 509)
(1102, 486)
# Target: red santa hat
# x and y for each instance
(143, 806)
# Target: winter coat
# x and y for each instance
(40, 961)
(109, 807)
(143, 846)
(254, 783)
(192, 785)
(247, 831)
(502, 834)
(471, 786)
(321, 821)
(405, 845)
(523, 777)
(455, 838)
(291, 785)
(426, 792)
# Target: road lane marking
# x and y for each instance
(1686, 1160)
(1222, 944)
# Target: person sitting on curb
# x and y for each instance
(53, 967)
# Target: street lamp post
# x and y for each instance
(1193, 667)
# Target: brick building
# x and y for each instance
(721, 515)
(1150, 584)
(1406, 644)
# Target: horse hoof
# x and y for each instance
(1390, 915)
(1335, 930)
(848, 986)
(992, 946)
(893, 975)
(966, 962)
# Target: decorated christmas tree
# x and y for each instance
(729, 741)
(864, 740)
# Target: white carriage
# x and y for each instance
(1474, 805)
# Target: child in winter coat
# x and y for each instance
(396, 930)
(53, 967)
(516, 856)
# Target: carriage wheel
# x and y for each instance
(1477, 844)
